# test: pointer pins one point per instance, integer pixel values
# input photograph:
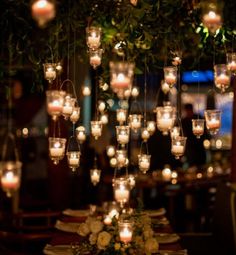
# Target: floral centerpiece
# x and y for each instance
(102, 239)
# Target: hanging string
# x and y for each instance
(145, 91)
(68, 43)
(96, 94)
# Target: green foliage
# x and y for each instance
(150, 29)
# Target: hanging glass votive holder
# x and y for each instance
(121, 116)
(121, 190)
(145, 134)
(121, 74)
(74, 117)
(198, 127)
(101, 106)
(104, 118)
(135, 122)
(80, 134)
(95, 57)
(93, 37)
(10, 176)
(95, 175)
(55, 101)
(213, 121)
(151, 127)
(73, 159)
(178, 146)
(211, 17)
(125, 231)
(68, 106)
(131, 180)
(170, 75)
(231, 62)
(113, 162)
(121, 157)
(96, 129)
(111, 151)
(222, 77)
(43, 11)
(165, 118)
(166, 173)
(174, 132)
(49, 72)
(122, 134)
(57, 148)
(144, 162)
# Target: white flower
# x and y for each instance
(93, 238)
(134, 2)
(147, 232)
(103, 240)
(83, 229)
(96, 226)
(151, 246)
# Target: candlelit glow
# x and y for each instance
(213, 121)
(121, 190)
(145, 134)
(144, 162)
(49, 72)
(151, 127)
(96, 129)
(95, 176)
(166, 173)
(222, 77)
(86, 91)
(95, 57)
(68, 106)
(198, 127)
(135, 122)
(73, 159)
(104, 118)
(125, 231)
(121, 116)
(122, 134)
(93, 36)
(74, 117)
(121, 157)
(178, 146)
(57, 149)
(165, 87)
(131, 180)
(80, 134)
(165, 118)
(231, 62)
(174, 132)
(212, 21)
(170, 75)
(110, 151)
(135, 92)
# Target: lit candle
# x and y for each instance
(121, 159)
(123, 138)
(198, 130)
(107, 220)
(126, 235)
(121, 81)
(222, 80)
(110, 151)
(135, 123)
(145, 134)
(50, 74)
(121, 116)
(56, 152)
(121, 194)
(96, 131)
(232, 66)
(67, 109)
(73, 161)
(10, 181)
(177, 149)
(165, 123)
(81, 136)
(95, 61)
(211, 18)
(55, 107)
(95, 176)
(170, 78)
(75, 115)
(151, 127)
(144, 164)
(113, 213)
(166, 174)
(93, 41)
(213, 124)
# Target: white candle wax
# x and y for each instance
(50, 74)
(56, 152)
(123, 138)
(96, 131)
(165, 123)
(121, 81)
(213, 124)
(54, 107)
(121, 195)
(198, 130)
(144, 164)
(95, 61)
(73, 161)
(10, 181)
(125, 235)
(67, 109)
(121, 117)
(177, 149)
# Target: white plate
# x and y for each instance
(57, 250)
(76, 213)
(166, 238)
(67, 226)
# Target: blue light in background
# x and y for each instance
(198, 76)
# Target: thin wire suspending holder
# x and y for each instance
(10, 167)
(73, 154)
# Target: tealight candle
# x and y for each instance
(177, 149)
(145, 134)
(10, 181)
(151, 127)
(121, 81)
(232, 66)
(166, 174)
(121, 115)
(95, 176)
(93, 41)
(107, 220)
(111, 151)
(50, 74)
(56, 152)
(126, 235)
(122, 194)
(74, 117)
(54, 107)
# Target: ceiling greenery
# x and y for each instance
(150, 29)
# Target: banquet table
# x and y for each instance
(66, 238)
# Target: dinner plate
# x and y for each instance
(156, 213)
(67, 226)
(57, 250)
(76, 213)
(163, 238)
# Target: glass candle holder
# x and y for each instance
(101, 106)
(111, 151)
(43, 11)
(144, 162)
(166, 173)
(121, 116)
(165, 87)
(231, 62)
(135, 122)
(50, 73)
(93, 37)
(96, 129)
(125, 231)
(134, 92)
(95, 175)
(113, 209)
(121, 157)
(74, 117)
(104, 118)
(80, 134)
(86, 91)
(10, 176)
(174, 132)
(95, 57)
(131, 180)
(121, 74)
(145, 134)
(55, 101)
(151, 127)
(222, 77)
(211, 17)
(178, 146)
(170, 75)
(198, 127)
(68, 106)
(73, 159)
(213, 121)
(122, 134)
(121, 190)
(165, 118)
(57, 149)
